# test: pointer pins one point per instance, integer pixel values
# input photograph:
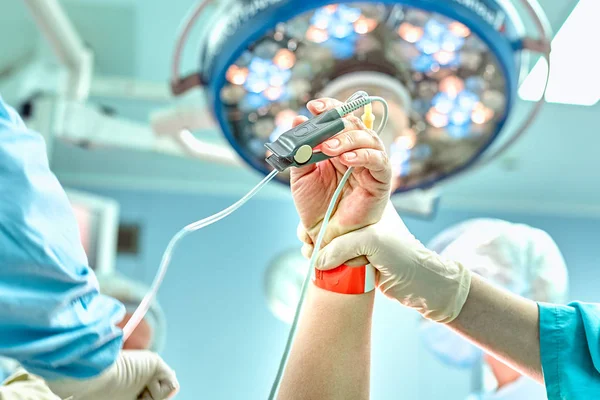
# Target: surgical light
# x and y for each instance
(436, 118)
(481, 114)
(316, 35)
(406, 142)
(459, 29)
(237, 75)
(409, 32)
(445, 57)
(364, 25)
(451, 85)
(449, 70)
(273, 93)
(284, 59)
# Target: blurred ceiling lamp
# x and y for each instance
(566, 85)
(283, 283)
(449, 69)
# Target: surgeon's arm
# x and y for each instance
(52, 318)
(503, 324)
(330, 358)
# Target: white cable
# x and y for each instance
(142, 309)
(318, 243)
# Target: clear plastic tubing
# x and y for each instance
(142, 309)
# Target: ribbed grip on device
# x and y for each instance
(353, 105)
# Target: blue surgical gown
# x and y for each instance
(570, 350)
(52, 318)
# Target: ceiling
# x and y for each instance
(553, 169)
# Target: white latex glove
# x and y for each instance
(24, 386)
(408, 272)
(137, 374)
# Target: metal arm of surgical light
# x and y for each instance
(76, 121)
(81, 123)
(68, 46)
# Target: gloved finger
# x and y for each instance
(164, 383)
(302, 234)
(357, 262)
(352, 140)
(318, 106)
(342, 249)
(159, 389)
(376, 161)
(307, 250)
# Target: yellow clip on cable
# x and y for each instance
(368, 118)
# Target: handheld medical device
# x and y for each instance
(295, 147)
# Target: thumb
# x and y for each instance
(307, 251)
(345, 248)
(148, 374)
(163, 384)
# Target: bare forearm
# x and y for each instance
(330, 358)
(504, 325)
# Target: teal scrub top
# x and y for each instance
(570, 350)
(53, 320)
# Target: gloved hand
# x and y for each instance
(367, 191)
(407, 271)
(22, 385)
(137, 374)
